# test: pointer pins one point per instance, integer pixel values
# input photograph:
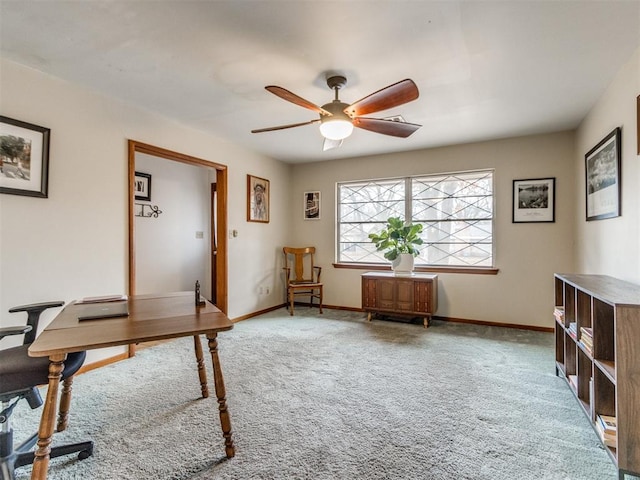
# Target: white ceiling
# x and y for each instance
(485, 70)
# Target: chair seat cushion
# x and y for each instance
(19, 371)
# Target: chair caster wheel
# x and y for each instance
(85, 454)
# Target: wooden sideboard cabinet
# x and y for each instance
(408, 295)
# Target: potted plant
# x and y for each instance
(398, 242)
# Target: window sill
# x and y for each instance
(435, 269)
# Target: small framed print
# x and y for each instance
(312, 205)
(257, 199)
(142, 186)
(602, 171)
(24, 158)
(534, 200)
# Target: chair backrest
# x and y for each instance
(299, 262)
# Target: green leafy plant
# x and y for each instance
(397, 238)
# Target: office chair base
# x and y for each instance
(83, 449)
(23, 455)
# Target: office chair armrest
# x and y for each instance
(7, 331)
(35, 307)
(319, 272)
(33, 316)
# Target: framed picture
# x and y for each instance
(602, 172)
(24, 158)
(312, 205)
(534, 200)
(142, 186)
(257, 199)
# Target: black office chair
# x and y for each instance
(20, 375)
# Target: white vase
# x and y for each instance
(403, 264)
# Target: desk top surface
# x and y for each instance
(151, 317)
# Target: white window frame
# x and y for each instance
(352, 224)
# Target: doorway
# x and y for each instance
(218, 217)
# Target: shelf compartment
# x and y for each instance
(604, 392)
(559, 334)
(585, 375)
(603, 331)
(583, 310)
(569, 304)
(604, 402)
(570, 355)
(559, 291)
(608, 368)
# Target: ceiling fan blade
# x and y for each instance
(282, 127)
(386, 127)
(397, 94)
(293, 98)
(330, 144)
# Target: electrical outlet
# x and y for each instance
(260, 290)
(266, 290)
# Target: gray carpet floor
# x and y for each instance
(336, 397)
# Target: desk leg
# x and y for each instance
(202, 372)
(225, 420)
(65, 404)
(47, 421)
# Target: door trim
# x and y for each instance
(221, 212)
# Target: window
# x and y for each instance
(455, 210)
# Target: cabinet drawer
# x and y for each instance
(404, 306)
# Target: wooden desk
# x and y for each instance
(151, 317)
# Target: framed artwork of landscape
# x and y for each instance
(602, 172)
(534, 200)
(24, 158)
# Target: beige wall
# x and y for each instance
(74, 243)
(526, 254)
(611, 246)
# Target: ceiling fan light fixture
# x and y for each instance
(336, 128)
(337, 119)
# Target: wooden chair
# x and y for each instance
(302, 276)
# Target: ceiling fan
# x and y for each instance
(337, 119)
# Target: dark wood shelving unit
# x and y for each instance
(604, 376)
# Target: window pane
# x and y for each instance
(363, 208)
(456, 211)
(371, 201)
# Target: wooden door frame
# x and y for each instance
(213, 241)
(221, 212)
